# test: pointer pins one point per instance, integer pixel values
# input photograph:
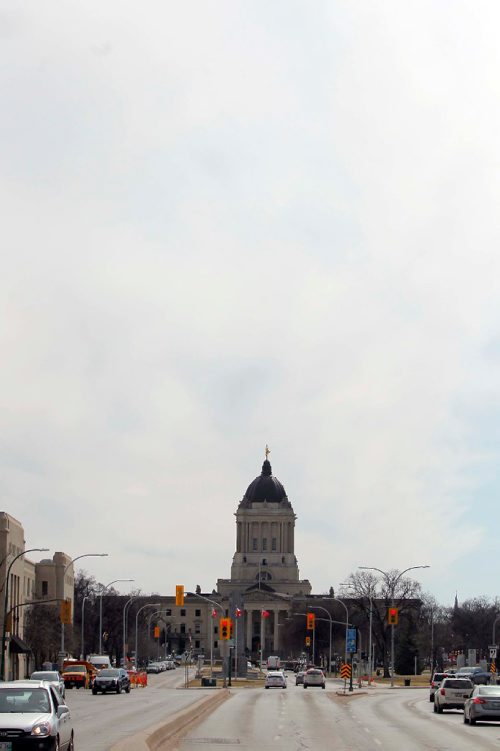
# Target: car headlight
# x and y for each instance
(41, 729)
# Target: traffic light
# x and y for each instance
(310, 621)
(65, 612)
(179, 594)
(230, 627)
(393, 616)
(308, 641)
(224, 628)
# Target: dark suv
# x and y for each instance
(111, 679)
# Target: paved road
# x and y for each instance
(100, 721)
(296, 720)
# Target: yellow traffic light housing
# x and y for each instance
(65, 612)
(310, 621)
(179, 594)
(393, 616)
(224, 628)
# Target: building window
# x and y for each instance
(254, 543)
(197, 628)
(244, 559)
(168, 612)
(45, 589)
(197, 644)
(274, 543)
(282, 559)
(264, 543)
(183, 628)
(197, 613)
(216, 644)
(183, 613)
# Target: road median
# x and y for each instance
(159, 737)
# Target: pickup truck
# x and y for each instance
(78, 674)
(476, 674)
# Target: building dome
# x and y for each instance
(265, 487)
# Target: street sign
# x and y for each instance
(493, 651)
(351, 640)
(345, 671)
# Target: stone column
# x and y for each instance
(249, 616)
(276, 638)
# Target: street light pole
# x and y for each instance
(393, 589)
(6, 603)
(318, 607)
(83, 623)
(147, 605)
(85, 555)
(100, 607)
(336, 599)
(125, 624)
(217, 605)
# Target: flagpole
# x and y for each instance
(236, 648)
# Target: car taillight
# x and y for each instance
(433, 685)
(478, 700)
(442, 691)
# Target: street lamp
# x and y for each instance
(319, 607)
(100, 607)
(147, 605)
(84, 555)
(6, 603)
(125, 624)
(87, 597)
(336, 599)
(392, 588)
(370, 632)
(217, 605)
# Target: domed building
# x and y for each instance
(264, 571)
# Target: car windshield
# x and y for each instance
(75, 669)
(109, 673)
(40, 676)
(24, 700)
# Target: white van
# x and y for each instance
(99, 661)
(273, 662)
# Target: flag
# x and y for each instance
(214, 613)
(238, 613)
(265, 613)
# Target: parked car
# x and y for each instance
(299, 678)
(111, 679)
(52, 677)
(37, 711)
(314, 677)
(482, 705)
(435, 681)
(476, 674)
(275, 679)
(452, 694)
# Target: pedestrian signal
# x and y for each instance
(179, 594)
(310, 621)
(224, 628)
(393, 616)
(65, 613)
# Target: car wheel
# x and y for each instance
(435, 707)
(118, 689)
(323, 686)
(440, 709)
(57, 746)
(465, 719)
(431, 698)
(94, 691)
(127, 689)
(71, 746)
(266, 686)
(472, 721)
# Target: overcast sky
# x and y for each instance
(226, 224)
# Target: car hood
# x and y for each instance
(24, 720)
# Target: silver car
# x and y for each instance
(452, 694)
(483, 705)
(50, 676)
(314, 677)
(33, 715)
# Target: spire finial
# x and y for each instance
(267, 451)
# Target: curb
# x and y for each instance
(154, 738)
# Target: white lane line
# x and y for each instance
(379, 743)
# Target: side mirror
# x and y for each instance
(62, 709)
